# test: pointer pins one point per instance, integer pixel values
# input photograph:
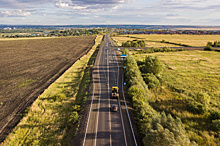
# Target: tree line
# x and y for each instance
(134, 43)
(158, 128)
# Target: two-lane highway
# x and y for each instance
(105, 127)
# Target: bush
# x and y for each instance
(141, 43)
(208, 48)
(202, 97)
(195, 107)
(163, 41)
(74, 117)
(152, 65)
(134, 43)
(167, 49)
(168, 131)
(215, 125)
(154, 49)
(159, 129)
(209, 44)
(159, 137)
(151, 80)
(214, 115)
(216, 44)
(59, 97)
(181, 49)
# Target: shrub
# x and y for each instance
(134, 43)
(159, 137)
(214, 115)
(151, 80)
(58, 97)
(208, 48)
(181, 49)
(196, 108)
(74, 117)
(167, 49)
(202, 97)
(167, 131)
(209, 44)
(159, 129)
(141, 43)
(152, 65)
(215, 125)
(163, 41)
(216, 44)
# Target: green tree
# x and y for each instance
(151, 80)
(152, 65)
(159, 137)
(209, 44)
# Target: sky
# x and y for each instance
(95, 12)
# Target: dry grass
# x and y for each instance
(191, 40)
(191, 72)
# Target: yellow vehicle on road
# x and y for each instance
(115, 92)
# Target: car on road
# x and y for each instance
(114, 108)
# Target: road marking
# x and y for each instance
(89, 112)
(99, 101)
(110, 126)
(126, 107)
(127, 111)
(122, 121)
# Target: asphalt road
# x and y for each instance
(105, 127)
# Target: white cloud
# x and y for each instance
(61, 4)
(16, 13)
(90, 5)
(119, 11)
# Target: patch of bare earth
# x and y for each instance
(28, 67)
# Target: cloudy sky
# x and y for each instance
(73, 12)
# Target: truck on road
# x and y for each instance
(115, 92)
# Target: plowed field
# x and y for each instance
(27, 67)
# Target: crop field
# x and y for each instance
(28, 67)
(154, 40)
(65, 93)
(190, 78)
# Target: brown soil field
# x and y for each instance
(28, 67)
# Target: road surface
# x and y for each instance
(105, 127)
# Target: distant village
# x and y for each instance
(198, 32)
(17, 33)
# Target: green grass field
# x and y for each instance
(47, 120)
(154, 40)
(184, 75)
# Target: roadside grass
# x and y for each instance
(155, 40)
(184, 75)
(49, 119)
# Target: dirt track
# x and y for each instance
(28, 67)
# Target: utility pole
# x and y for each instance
(107, 23)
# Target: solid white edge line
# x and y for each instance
(127, 110)
(120, 105)
(110, 126)
(99, 99)
(89, 112)
(91, 109)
